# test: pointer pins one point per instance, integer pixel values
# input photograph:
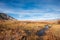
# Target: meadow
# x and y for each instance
(28, 30)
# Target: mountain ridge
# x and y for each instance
(4, 16)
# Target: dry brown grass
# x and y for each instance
(19, 30)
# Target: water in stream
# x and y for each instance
(42, 32)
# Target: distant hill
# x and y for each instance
(4, 16)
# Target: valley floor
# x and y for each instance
(18, 30)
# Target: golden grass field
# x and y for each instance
(27, 30)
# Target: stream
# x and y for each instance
(42, 31)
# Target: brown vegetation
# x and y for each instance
(16, 30)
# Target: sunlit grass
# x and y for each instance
(17, 30)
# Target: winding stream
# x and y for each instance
(42, 32)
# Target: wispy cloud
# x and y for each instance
(34, 14)
(32, 10)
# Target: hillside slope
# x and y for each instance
(4, 16)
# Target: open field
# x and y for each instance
(27, 30)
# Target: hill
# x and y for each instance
(4, 16)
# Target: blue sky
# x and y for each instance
(31, 9)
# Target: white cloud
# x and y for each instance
(51, 12)
(33, 14)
